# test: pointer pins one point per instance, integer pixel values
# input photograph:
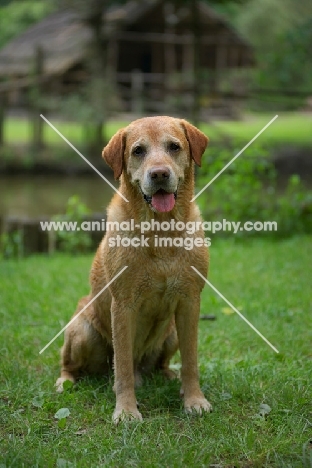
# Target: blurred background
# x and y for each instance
(91, 67)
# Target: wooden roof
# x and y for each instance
(64, 37)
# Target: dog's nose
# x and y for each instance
(159, 173)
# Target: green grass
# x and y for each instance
(269, 281)
(17, 131)
(290, 128)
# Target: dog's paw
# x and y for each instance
(122, 414)
(197, 405)
(169, 374)
(59, 383)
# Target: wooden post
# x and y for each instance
(156, 58)
(196, 31)
(188, 78)
(51, 242)
(170, 46)
(98, 69)
(169, 52)
(111, 77)
(36, 105)
(2, 112)
(137, 89)
(221, 63)
(188, 58)
(112, 58)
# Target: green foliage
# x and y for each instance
(73, 241)
(61, 415)
(275, 17)
(17, 16)
(6, 155)
(87, 106)
(248, 191)
(294, 208)
(283, 51)
(288, 66)
(11, 245)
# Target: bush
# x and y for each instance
(76, 241)
(11, 245)
(248, 191)
(282, 77)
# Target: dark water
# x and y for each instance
(35, 196)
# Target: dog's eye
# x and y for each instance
(138, 151)
(174, 147)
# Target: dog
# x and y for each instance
(140, 320)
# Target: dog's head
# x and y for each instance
(155, 153)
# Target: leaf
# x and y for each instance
(62, 413)
(227, 311)
(37, 401)
(264, 410)
(62, 463)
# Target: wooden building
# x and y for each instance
(151, 54)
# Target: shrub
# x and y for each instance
(76, 241)
(248, 191)
(11, 245)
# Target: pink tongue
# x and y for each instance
(163, 201)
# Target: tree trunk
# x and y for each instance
(99, 76)
(2, 114)
(37, 122)
(196, 32)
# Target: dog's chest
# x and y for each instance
(158, 296)
(154, 313)
(161, 280)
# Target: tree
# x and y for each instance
(16, 16)
(281, 33)
(99, 92)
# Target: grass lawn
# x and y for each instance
(290, 128)
(269, 281)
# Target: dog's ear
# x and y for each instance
(198, 141)
(113, 153)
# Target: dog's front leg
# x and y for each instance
(126, 405)
(187, 328)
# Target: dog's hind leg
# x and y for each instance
(160, 359)
(169, 348)
(85, 351)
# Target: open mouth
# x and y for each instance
(161, 201)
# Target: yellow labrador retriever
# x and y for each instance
(152, 308)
